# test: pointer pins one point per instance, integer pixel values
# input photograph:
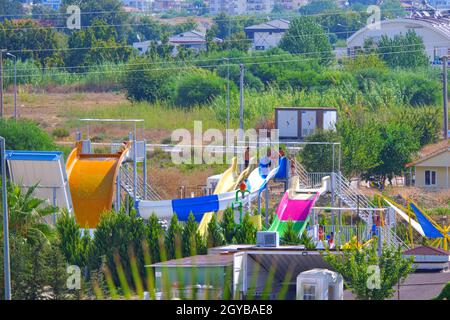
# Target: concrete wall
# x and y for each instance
(442, 179)
(439, 163)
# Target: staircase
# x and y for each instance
(352, 197)
(127, 184)
(349, 195)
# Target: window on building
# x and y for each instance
(430, 177)
(309, 291)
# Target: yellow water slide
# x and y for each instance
(92, 183)
(227, 183)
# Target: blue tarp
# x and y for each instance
(198, 206)
(428, 228)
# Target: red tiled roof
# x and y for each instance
(427, 251)
(429, 151)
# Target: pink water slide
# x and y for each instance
(296, 209)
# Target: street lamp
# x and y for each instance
(15, 83)
(6, 261)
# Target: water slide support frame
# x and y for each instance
(6, 256)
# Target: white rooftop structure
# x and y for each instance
(432, 26)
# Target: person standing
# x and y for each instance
(247, 157)
(265, 163)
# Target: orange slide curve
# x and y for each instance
(92, 183)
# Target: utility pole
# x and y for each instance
(6, 261)
(228, 97)
(1, 82)
(241, 110)
(444, 94)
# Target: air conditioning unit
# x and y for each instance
(267, 239)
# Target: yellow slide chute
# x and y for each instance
(229, 181)
(92, 183)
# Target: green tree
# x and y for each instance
(149, 29)
(199, 88)
(319, 6)
(238, 41)
(290, 237)
(100, 44)
(403, 50)
(215, 236)
(29, 40)
(173, 238)
(25, 135)
(307, 241)
(399, 144)
(391, 9)
(57, 275)
(445, 293)
(36, 278)
(10, 8)
(155, 235)
(357, 267)
(191, 239)
(425, 123)
(112, 13)
(324, 152)
(27, 215)
(116, 236)
(246, 231)
(72, 244)
(306, 37)
(143, 81)
(228, 225)
(361, 144)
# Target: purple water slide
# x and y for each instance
(295, 209)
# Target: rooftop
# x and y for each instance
(429, 151)
(427, 250)
(209, 260)
(278, 24)
(193, 36)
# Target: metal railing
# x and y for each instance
(351, 196)
(143, 191)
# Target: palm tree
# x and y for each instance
(27, 214)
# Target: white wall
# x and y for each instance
(266, 40)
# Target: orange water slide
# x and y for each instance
(92, 183)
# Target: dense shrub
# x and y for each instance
(146, 81)
(25, 135)
(115, 237)
(199, 88)
(60, 133)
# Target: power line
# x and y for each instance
(218, 20)
(217, 59)
(154, 42)
(206, 66)
(229, 18)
